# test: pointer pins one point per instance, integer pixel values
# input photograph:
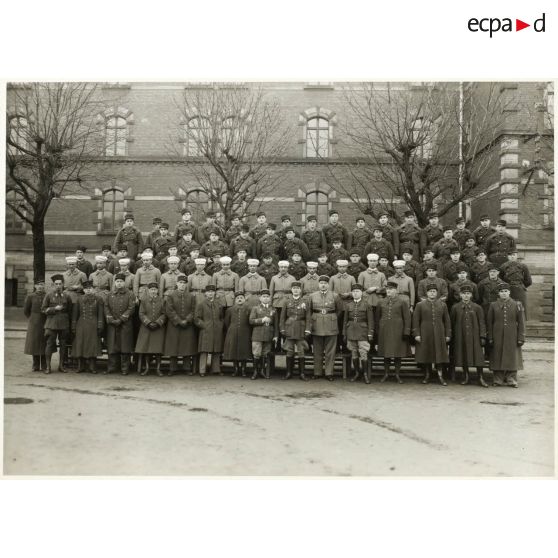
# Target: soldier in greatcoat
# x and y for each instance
(481, 267)
(432, 333)
(265, 331)
(406, 286)
(393, 326)
(355, 266)
(334, 230)
(443, 247)
(314, 238)
(88, 322)
(499, 244)
(238, 337)
(517, 275)
(269, 243)
(167, 283)
(154, 233)
(119, 311)
(151, 335)
(260, 227)
(268, 268)
(483, 231)
(324, 267)
(129, 235)
(240, 264)
(162, 242)
(379, 245)
(35, 336)
(292, 244)
(432, 277)
(73, 279)
(210, 226)
(243, 242)
(82, 264)
(431, 233)
(58, 308)
(469, 335)
(186, 225)
(185, 246)
(409, 233)
(389, 233)
(358, 332)
(323, 308)
(181, 336)
(208, 318)
(295, 328)
(506, 334)
(233, 231)
(359, 237)
(461, 233)
(489, 288)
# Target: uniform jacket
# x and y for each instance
(516, 274)
(393, 326)
(440, 283)
(382, 247)
(206, 229)
(57, 319)
(251, 284)
(168, 281)
(289, 246)
(421, 270)
(371, 278)
(454, 291)
(409, 234)
(432, 322)
(74, 279)
(86, 266)
(461, 236)
(358, 321)
(479, 271)
(337, 254)
(258, 231)
(269, 244)
(310, 283)
(161, 246)
(231, 233)
(316, 242)
(268, 271)
(133, 239)
(406, 286)
(226, 283)
(294, 318)
(323, 309)
(451, 268)
(356, 269)
(248, 244)
(35, 337)
(280, 288)
(498, 246)
(208, 317)
(197, 282)
(468, 327)
(341, 284)
(260, 331)
(442, 249)
(358, 239)
(326, 269)
(151, 238)
(209, 249)
(505, 326)
(335, 232)
(297, 270)
(429, 236)
(240, 267)
(481, 234)
(389, 233)
(120, 305)
(143, 277)
(185, 247)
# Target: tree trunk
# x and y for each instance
(39, 266)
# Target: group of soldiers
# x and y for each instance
(201, 295)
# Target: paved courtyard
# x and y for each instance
(70, 424)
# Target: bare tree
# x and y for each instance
(52, 138)
(238, 135)
(422, 147)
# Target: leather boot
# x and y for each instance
(386, 372)
(441, 376)
(48, 359)
(398, 370)
(290, 367)
(364, 367)
(481, 379)
(256, 364)
(465, 376)
(426, 378)
(158, 365)
(81, 365)
(355, 364)
(301, 374)
(194, 365)
(235, 368)
(173, 366)
(36, 363)
(143, 360)
(93, 365)
(268, 365)
(42, 359)
(243, 368)
(125, 364)
(112, 364)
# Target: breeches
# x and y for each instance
(359, 348)
(261, 348)
(291, 344)
(51, 335)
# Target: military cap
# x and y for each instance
(392, 285)
(245, 228)
(296, 284)
(216, 233)
(171, 245)
(502, 222)
(147, 250)
(120, 276)
(466, 289)
(87, 284)
(164, 226)
(71, 259)
(101, 259)
(239, 293)
(337, 240)
(382, 214)
(399, 263)
(333, 212)
(355, 253)
(260, 214)
(283, 263)
(253, 261)
(152, 285)
(493, 268)
(264, 292)
(428, 250)
(123, 246)
(128, 216)
(106, 247)
(357, 287)
(408, 213)
(312, 264)
(225, 260)
(200, 261)
(81, 248)
(512, 251)
(432, 214)
(447, 228)
(159, 220)
(431, 286)
(503, 286)
(360, 218)
(182, 279)
(210, 288)
(377, 228)
(406, 248)
(484, 217)
(285, 218)
(267, 255)
(341, 263)
(323, 278)
(296, 251)
(173, 259)
(57, 277)
(372, 257)
(460, 220)
(480, 251)
(311, 218)
(287, 229)
(455, 251)
(462, 269)
(322, 254)
(210, 214)
(432, 266)
(186, 210)
(124, 261)
(271, 226)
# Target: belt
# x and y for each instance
(324, 311)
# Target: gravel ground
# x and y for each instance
(113, 425)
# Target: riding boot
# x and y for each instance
(158, 365)
(243, 368)
(426, 378)
(290, 367)
(61, 360)
(386, 371)
(112, 364)
(397, 370)
(42, 359)
(93, 365)
(256, 367)
(36, 363)
(301, 374)
(355, 368)
(235, 368)
(451, 371)
(143, 360)
(81, 365)
(481, 379)
(441, 376)
(125, 363)
(269, 365)
(173, 365)
(364, 368)
(465, 376)
(48, 359)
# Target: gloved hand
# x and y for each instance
(153, 326)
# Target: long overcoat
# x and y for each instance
(120, 306)
(87, 319)
(432, 322)
(181, 339)
(468, 326)
(505, 327)
(35, 337)
(238, 340)
(393, 319)
(208, 317)
(151, 341)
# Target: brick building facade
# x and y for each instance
(142, 174)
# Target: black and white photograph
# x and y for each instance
(279, 279)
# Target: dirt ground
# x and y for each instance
(114, 425)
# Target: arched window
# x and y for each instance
(317, 203)
(113, 209)
(115, 136)
(14, 223)
(196, 131)
(198, 202)
(19, 134)
(317, 137)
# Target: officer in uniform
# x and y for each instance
(161, 244)
(481, 267)
(208, 317)
(451, 267)
(252, 283)
(483, 231)
(226, 282)
(167, 283)
(82, 264)
(297, 268)
(243, 242)
(355, 264)
(264, 321)
(240, 264)
(73, 279)
(280, 288)
(409, 233)
(210, 226)
(517, 275)
(154, 233)
(335, 230)
(489, 288)
(199, 280)
(428, 258)
(214, 246)
(461, 234)
(379, 245)
(432, 277)
(268, 268)
(186, 225)
(406, 286)
(129, 235)
(260, 227)
(443, 247)
(313, 238)
(389, 233)
(360, 237)
(101, 278)
(286, 223)
(292, 243)
(269, 243)
(372, 280)
(431, 233)
(145, 275)
(309, 282)
(500, 244)
(234, 230)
